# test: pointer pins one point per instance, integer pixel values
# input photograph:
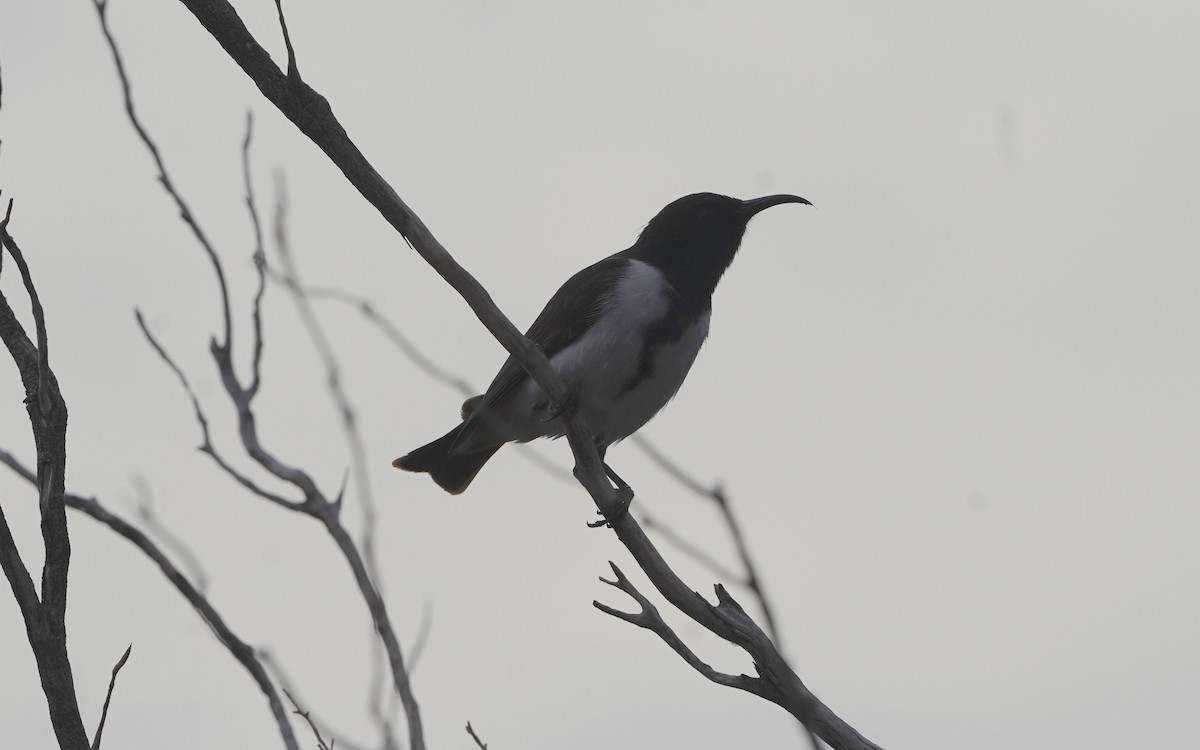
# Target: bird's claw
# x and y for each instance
(620, 509)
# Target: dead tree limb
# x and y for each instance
(241, 651)
(45, 617)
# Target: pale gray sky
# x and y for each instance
(954, 403)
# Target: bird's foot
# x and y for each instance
(624, 499)
(565, 408)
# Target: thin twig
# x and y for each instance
(288, 686)
(112, 683)
(750, 579)
(185, 212)
(259, 261)
(304, 715)
(293, 69)
(478, 742)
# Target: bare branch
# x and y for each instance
(164, 178)
(288, 687)
(260, 261)
(207, 446)
(112, 683)
(293, 69)
(718, 496)
(239, 649)
(39, 315)
(750, 579)
(304, 714)
(478, 742)
(651, 620)
(45, 619)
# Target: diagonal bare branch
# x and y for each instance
(244, 654)
(164, 178)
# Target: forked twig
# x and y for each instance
(304, 715)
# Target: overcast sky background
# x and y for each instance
(955, 402)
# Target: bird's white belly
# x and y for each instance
(618, 392)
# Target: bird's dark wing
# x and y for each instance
(567, 316)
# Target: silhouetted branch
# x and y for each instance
(45, 618)
(651, 620)
(244, 654)
(751, 579)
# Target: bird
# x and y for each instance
(623, 333)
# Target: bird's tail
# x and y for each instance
(452, 473)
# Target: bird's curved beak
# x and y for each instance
(754, 205)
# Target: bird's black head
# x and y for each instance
(693, 240)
